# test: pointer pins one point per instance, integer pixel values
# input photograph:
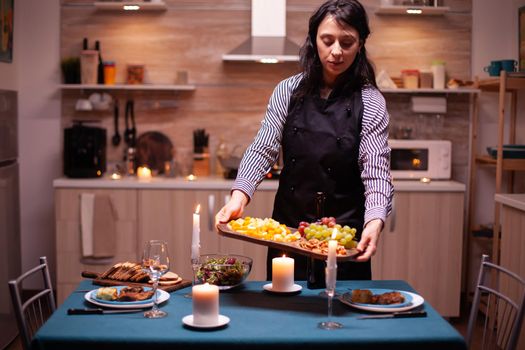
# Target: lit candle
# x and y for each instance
(144, 173)
(205, 302)
(282, 274)
(331, 263)
(332, 250)
(195, 239)
(115, 176)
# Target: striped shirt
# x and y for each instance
(374, 153)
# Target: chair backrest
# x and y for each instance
(33, 312)
(497, 309)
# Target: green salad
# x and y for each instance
(226, 271)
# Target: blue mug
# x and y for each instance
(494, 68)
(509, 65)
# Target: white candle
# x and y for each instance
(332, 253)
(195, 238)
(144, 173)
(205, 302)
(282, 274)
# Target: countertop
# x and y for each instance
(514, 200)
(219, 183)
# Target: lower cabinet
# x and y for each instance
(69, 260)
(422, 244)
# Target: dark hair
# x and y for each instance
(361, 72)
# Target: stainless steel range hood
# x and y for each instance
(268, 42)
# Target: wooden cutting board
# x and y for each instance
(226, 231)
(108, 282)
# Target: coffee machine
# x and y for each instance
(84, 151)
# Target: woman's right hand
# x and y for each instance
(233, 209)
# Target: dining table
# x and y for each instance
(257, 319)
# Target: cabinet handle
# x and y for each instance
(211, 211)
(393, 216)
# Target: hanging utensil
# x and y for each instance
(115, 140)
(127, 131)
(133, 127)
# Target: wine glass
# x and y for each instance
(155, 262)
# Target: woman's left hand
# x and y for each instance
(368, 244)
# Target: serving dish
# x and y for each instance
(226, 231)
(224, 270)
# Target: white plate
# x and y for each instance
(417, 300)
(188, 321)
(162, 297)
(295, 288)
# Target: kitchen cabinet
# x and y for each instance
(167, 215)
(480, 159)
(512, 243)
(68, 240)
(422, 244)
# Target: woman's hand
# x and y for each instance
(233, 209)
(368, 244)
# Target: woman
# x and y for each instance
(332, 124)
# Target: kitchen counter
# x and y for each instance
(514, 200)
(219, 183)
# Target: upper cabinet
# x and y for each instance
(412, 10)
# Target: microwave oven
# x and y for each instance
(417, 159)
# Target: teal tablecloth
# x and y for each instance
(259, 320)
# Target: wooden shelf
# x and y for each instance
(493, 84)
(431, 91)
(509, 164)
(412, 10)
(123, 87)
(130, 6)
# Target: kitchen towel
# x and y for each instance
(97, 226)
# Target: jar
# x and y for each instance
(109, 72)
(410, 78)
(135, 74)
(438, 74)
(426, 79)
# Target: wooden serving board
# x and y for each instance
(226, 231)
(108, 282)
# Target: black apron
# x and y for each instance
(320, 154)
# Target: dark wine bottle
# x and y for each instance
(85, 44)
(100, 73)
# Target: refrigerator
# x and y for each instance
(10, 259)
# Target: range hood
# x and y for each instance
(268, 42)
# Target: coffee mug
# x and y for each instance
(494, 68)
(509, 65)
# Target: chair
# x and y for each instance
(497, 309)
(33, 312)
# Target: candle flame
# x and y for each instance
(198, 209)
(284, 255)
(334, 233)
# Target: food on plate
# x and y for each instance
(323, 230)
(267, 229)
(134, 294)
(223, 271)
(107, 293)
(365, 296)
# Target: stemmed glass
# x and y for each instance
(331, 273)
(155, 262)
